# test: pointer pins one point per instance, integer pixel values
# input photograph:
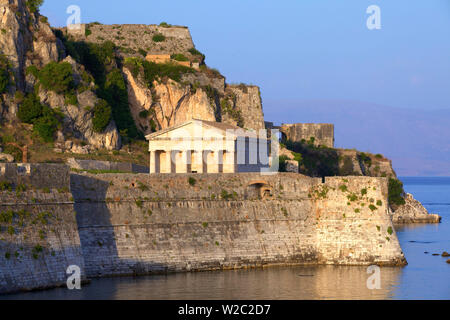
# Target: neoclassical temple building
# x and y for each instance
(198, 146)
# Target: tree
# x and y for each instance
(57, 77)
(30, 109)
(33, 5)
(102, 116)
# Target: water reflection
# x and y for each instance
(292, 283)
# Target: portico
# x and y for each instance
(196, 146)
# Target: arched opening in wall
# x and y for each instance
(259, 190)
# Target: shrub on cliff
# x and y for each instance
(158, 71)
(102, 116)
(33, 5)
(4, 74)
(396, 192)
(158, 37)
(46, 125)
(30, 109)
(57, 77)
(197, 53)
(44, 119)
(179, 57)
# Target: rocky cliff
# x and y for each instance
(29, 45)
(137, 101)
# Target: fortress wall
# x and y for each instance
(37, 175)
(124, 224)
(139, 224)
(354, 225)
(323, 133)
(38, 234)
(139, 36)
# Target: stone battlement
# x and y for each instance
(131, 38)
(37, 175)
(320, 134)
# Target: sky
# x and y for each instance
(299, 51)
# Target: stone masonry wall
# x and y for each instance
(38, 235)
(132, 37)
(323, 133)
(136, 224)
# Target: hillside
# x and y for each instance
(92, 92)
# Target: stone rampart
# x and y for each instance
(38, 232)
(136, 224)
(320, 134)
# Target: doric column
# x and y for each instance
(229, 162)
(153, 162)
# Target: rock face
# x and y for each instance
(26, 40)
(413, 212)
(355, 163)
(248, 103)
(178, 104)
(78, 120)
(197, 96)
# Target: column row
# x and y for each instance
(205, 161)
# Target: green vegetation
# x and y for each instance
(142, 52)
(282, 163)
(315, 161)
(5, 186)
(100, 60)
(228, 107)
(102, 116)
(390, 231)
(364, 191)
(33, 5)
(396, 192)
(165, 25)
(284, 211)
(154, 71)
(205, 224)
(197, 53)
(158, 37)
(142, 186)
(57, 77)
(30, 109)
(227, 196)
(179, 57)
(44, 119)
(319, 192)
(364, 158)
(343, 188)
(379, 203)
(4, 73)
(192, 181)
(372, 207)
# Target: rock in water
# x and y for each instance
(413, 212)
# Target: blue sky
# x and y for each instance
(307, 50)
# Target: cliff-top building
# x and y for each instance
(198, 146)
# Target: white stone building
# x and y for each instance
(198, 146)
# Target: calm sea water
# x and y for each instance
(425, 277)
